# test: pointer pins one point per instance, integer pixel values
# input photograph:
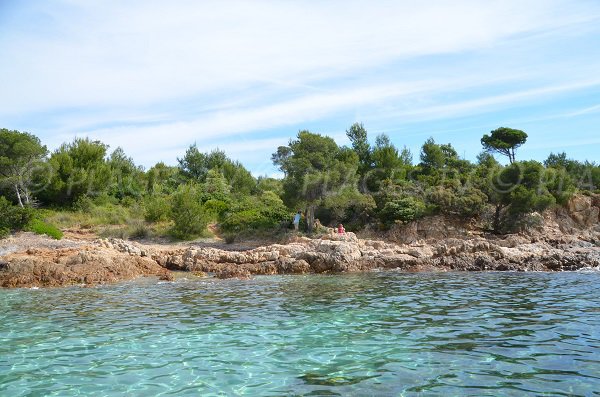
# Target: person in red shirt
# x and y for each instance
(341, 229)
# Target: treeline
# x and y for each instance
(361, 185)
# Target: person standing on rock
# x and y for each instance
(296, 221)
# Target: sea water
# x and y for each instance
(371, 334)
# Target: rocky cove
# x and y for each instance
(567, 240)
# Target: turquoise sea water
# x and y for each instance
(374, 334)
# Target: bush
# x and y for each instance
(4, 232)
(13, 217)
(138, 230)
(40, 227)
(467, 203)
(157, 208)
(402, 210)
(349, 207)
(230, 238)
(188, 214)
(217, 207)
(256, 213)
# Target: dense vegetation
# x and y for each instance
(82, 184)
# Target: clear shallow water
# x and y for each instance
(380, 334)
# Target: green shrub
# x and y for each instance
(256, 213)
(402, 210)
(138, 229)
(4, 232)
(217, 207)
(110, 214)
(156, 208)
(188, 214)
(13, 217)
(40, 227)
(466, 203)
(115, 232)
(230, 238)
(83, 204)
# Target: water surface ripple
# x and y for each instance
(374, 334)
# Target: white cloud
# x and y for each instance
(155, 76)
(116, 53)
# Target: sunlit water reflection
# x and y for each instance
(380, 334)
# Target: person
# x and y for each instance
(341, 229)
(297, 220)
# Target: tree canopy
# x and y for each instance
(20, 154)
(504, 141)
(314, 167)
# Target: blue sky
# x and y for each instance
(154, 76)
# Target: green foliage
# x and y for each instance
(156, 208)
(360, 144)
(441, 161)
(402, 210)
(266, 184)
(162, 178)
(432, 156)
(348, 206)
(78, 168)
(518, 190)
(256, 213)
(216, 207)
(38, 226)
(189, 216)
(216, 187)
(195, 166)
(560, 184)
(584, 175)
(138, 230)
(314, 166)
(504, 141)
(465, 202)
(21, 157)
(13, 217)
(127, 178)
(113, 193)
(389, 165)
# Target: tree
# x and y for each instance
(389, 163)
(504, 141)
(189, 216)
(432, 156)
(314, 167)
(78, 168)
(162, 178)
(517, 190)
(20, 154)
(127, 178)
(196, 165)
(358, 136)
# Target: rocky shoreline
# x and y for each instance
(569, 240)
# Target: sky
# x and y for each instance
(154, 77)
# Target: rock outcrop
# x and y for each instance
(68, 266)
(569, 240)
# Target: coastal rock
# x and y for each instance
(66, 266)
(569, 239)
(583, 210)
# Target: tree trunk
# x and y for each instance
(27, 196)
(310, 217)
(497, 218)
(18, 195)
